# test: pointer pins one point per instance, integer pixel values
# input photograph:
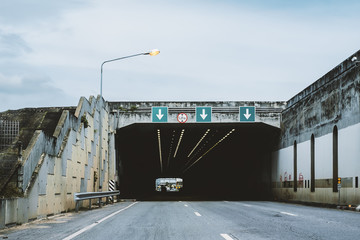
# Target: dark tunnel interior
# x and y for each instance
(217, 161)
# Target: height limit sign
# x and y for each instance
(182, 118)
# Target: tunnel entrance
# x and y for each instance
(215, 160)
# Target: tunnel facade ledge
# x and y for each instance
(125, 113)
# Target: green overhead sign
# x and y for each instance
(203, 114)
(159, 114)
(247, 114)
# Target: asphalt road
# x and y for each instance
(195, 220)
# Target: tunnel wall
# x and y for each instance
(56, 166)
(326, 112)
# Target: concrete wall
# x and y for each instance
(55, 167)
(125, 113)
(7, 164)
(333, 100)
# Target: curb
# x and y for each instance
(349, 207)
(355, 208)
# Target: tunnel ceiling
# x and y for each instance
(208, 154)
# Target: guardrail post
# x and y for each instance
(89, 203)
(99, 202)
(77, 206)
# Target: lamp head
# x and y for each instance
(354, 59)
(154, 52)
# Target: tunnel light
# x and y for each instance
(170, 149)
(201, 139)
(180, 138)
(222, 139)
(160, 154)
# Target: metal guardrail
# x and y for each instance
(92, 195)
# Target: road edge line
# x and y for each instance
(97, 222)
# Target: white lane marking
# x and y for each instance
(227, 237)
(247, 205)
(226, 201)
(186, 205)
(197, 214)
(97, 222)
(290, 214)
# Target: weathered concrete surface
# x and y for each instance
(30, 120)
(7, 163)
(328, 109)
(61, 157)
(125, 113)
(332, 100)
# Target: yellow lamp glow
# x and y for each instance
(154, 52)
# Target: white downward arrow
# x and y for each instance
(203, 115)
(159, 115)
(247, 115)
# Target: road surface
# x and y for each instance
(195, 220)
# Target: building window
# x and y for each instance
(295, 167)
(335, 158)
(356, 182)
(312, 152)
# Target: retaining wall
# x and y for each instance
(56, 166)
(321, 125)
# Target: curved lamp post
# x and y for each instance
(153, 52)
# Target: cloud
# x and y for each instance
(31, 91)
(221, 50)
(12, 45)
(26, 85)
(20, 12)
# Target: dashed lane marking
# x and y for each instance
(186, 205)
(247, 205)
(290, 214)
(96, 223)
(197, 214)
(227, 237)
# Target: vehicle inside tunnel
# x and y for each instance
(215, 161)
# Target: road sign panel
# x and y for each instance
(247, 114)
(182, 118)
(203, 114)
(159, 114)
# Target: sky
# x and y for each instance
(210, 50)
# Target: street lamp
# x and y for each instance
(153, 52)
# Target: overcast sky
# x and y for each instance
(266, 50)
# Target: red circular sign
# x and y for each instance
(182, 118)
